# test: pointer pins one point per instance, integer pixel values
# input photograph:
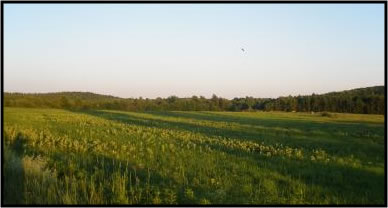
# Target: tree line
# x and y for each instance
(369, 100)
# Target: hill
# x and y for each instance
(369, 100)
(376, 90)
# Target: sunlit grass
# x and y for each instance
(114, 157)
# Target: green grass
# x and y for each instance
(114, 157)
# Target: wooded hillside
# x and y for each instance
(368, 100)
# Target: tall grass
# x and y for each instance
(113, 157)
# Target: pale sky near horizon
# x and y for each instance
(158, 50)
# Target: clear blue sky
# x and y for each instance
(158, 50)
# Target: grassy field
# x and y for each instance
(113, 157)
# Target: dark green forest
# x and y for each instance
(370, 100)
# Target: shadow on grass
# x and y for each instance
(353, 184)
(339, 147)
(353, 129)
(13, 171)
(140, 183)
(358, 138)
(81, 171)
(84, 164)
(257, 136)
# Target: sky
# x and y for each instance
(159, 50)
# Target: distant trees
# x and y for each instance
(64, 102)
(364, 100)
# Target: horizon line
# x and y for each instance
(189, 96)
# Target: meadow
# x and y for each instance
(54, 156)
